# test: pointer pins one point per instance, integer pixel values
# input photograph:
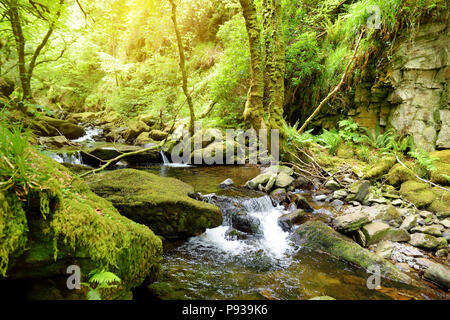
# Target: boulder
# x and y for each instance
(6, 86)
(384, 249)
(144, 139)
(418, 193)
(433, 230)
(246, 223)
(163, 204)
(351, 222)
(288, 220)
(409, 222)
(438, 274)
(381, 167)
(260, 179)
(283, 180)
(301, 202)
(332, 185)
(317, 235)
(399, 174)
(158, 135)
(423, 240)
(135, 128)
(57, 142)
(64, 127)
(278, 169)
(65, 223)
(375, 232)
(278, 195)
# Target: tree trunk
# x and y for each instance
(254, 111)
(183, 67)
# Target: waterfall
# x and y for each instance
(164, 157)
(272, 240)
(67, 157)
(90, 134)
(166, 161)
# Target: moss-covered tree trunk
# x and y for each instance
(254, 111)
(183, 67)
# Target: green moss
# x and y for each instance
(381, 167)
(419, 193)
(399, 174)
(345, 151)
(442, 167)
(441, 204)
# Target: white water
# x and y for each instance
(274, 241)
(89, 136)
(166, 161)
(74, 158)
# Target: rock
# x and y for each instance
(108, 151)
(441, 204)
(283, 180)
(390, 214)
(287, 221)
(381, 167)
(260, 179)
(438, 274)
(384, 249)
(158, 135)
(441, 253)
(135, 128)
(278, 169)
(271, 183)
(332, 185)
(434, 230)
(403, 267)
(233, 234)
(226, 183)
(243, 222)
(301, 202)
(418, 193)
(351, 222)
(337, 205)
(446, 235)
(144, 139)
(64, 127)
(409, 222)
(399, 174)
(148, 119)
(442, 165)
(320, 197)
(278, 195)
(398, 235)
(76, 218)
(162, 204)
(57, 142)
(397, 202)
(375, 232)
(445, 223)
(318, 236)
(359, 191)
(424, 263)
(340, 194)
(423, 240)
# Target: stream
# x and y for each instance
(266, 265)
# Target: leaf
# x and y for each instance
(103, 277)
(93, 294)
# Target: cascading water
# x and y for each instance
(166, 161)
(67, 157)
(91, 133)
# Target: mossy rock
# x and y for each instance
(64, 127)
(381, 167)
(399, 174)
(419, 193)
(345, 151)
(441, 203)
(69, 225)
(161, 203)
(317, 235)
(442, 165)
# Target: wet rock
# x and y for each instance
(162, 204)
(283, 180)
(287, 221)
(57, 142)
(301, 202)
(256, 181)
(384, 249)
(63, 127)
(351, 222)
(434, 230)
(340, 194)
(322, 298)
(226, 183)
(409, 222)
(158, 135)
(318, 236)
(233, 234)
(438, 274)
(278, 195)
(135, 128)
(243, 222)
(423, 240)
(332, 185)
(403, 267)
(375, 232)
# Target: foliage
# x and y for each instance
(424, 159)
(100, 279)
(330, 140)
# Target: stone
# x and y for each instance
(301, 202)
(233, 234)
(399, 174)
(351, 222)
(409, 222)
(260, 179)
(278, 169)
(423, 240)
(226, 183)
(340, 194)
(246, 223)
(419, 193)
(332, 185)
(144, 139)
(107, 151)
(384, 249)
(322, 298)
(135, 128)
(434, 230)
(445, 222)
(283, 180)
(320, 197)
(381, 167)
(398, 235)
(63, 127)
(442, 253)
(403, 267)
(163, 204)
(359, 191)
(316, 235)
(438, 274)
(57, 142)
(288, 220)
(278, 195)
(397, 202)
(271, 183)
(375, 232)
(158, 135)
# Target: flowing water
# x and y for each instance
(266, 265)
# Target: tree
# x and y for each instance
(18, 13)
(183, 67)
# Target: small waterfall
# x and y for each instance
(91, 133)
(273, 241)
(164, 157)
(167, 163)
(67, 157)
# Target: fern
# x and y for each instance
(100, 279)
(330, 140)
(424, 159)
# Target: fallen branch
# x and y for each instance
(336, 89)
(421, 179)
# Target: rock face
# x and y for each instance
(318, 236)
(163, 204)
(79, 228)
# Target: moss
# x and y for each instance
(399, 174)
(13, 229)
(441, 204)
(161, 203)
(345, 151)
(442, 165)
(419, 193)
(381, 167)
(318, 236)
